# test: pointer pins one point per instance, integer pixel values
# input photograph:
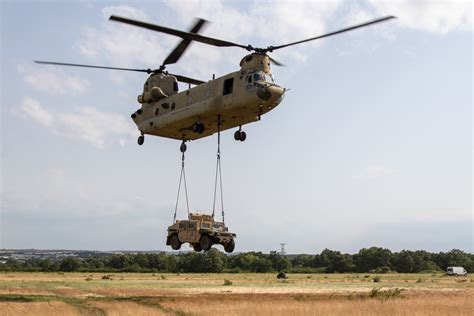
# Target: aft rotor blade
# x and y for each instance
(183, 35)
(187, 79)
(176, 54)
(90, 66)
(335, 32)
(276, 62)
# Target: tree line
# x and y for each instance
(367, 260)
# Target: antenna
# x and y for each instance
(282, 249)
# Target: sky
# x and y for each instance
(372, 146)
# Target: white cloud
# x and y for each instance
(52, 80)
(118, 44)
(273, 23)
(34, 109)
(438, 17)
(257, 23)
(85, 123)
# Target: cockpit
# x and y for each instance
(258, 76)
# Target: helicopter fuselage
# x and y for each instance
(235, 99)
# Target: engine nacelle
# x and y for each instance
(155, 94)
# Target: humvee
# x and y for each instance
(201, 232)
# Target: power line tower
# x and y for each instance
(282, 249)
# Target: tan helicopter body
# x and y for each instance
(232, 100)
(237, 98)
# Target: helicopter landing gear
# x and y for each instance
(198, 127)
(240, 135)
(141, 140)
(183, 147)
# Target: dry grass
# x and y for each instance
(248, 294)
(265, 304)
(127, 309)
(37, 308)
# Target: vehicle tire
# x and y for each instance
(200, 128)
(243, 136)
(205, 242)
(183, 147)
(140, 140)
(230, 246)
(197, 247)
(175, 243)
(237, 135)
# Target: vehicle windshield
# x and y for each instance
(217, 226)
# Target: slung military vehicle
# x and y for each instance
(222, 103)
(201, 232)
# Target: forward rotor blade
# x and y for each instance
(183, 35)
(90, 66)
(187, 79)
(176, 54)
(276, 62)
(335, 32)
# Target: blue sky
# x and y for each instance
(371, 146)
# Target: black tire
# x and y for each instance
(183, 147)
(175, 243)
(140, 140)
(205, 242)
(195, 127)
(230, 246)
(197, 247)
(201, 128)
(243, 136)
(237, 135)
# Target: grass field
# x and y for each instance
(234, 294)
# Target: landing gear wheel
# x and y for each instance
(175, 243)
(183, 147)
(243, 136)
(198, 128)
(237, 135)
(141, 140)
(230, 246)
(205, 242)
(197, 247)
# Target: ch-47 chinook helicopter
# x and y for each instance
(230, 101)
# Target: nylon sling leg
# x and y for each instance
(218, 171)
(181, 177)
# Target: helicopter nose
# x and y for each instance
(268, 92)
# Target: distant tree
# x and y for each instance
(302, 261)
(368, 259)
(215, 261)
(70, 264)
(46, 265)
(119, 262)
(403, 261)
(279, 262)
(334, 261)
(454, 258)
(261, 265)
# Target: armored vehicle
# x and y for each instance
(201, 232)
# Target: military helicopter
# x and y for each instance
(230, 101)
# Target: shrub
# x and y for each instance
(227, 282)
(377, 279)
(107, 277)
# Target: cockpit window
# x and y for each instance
(257, 77)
